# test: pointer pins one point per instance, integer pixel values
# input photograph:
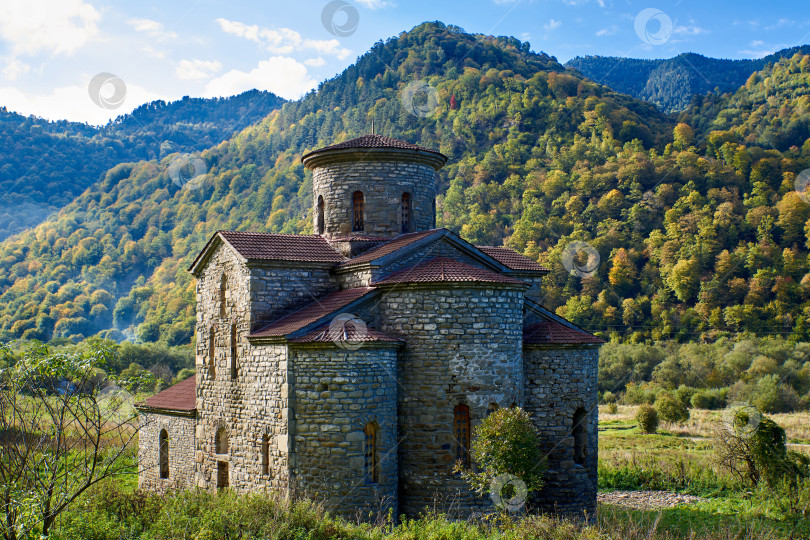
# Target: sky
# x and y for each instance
(93, 60)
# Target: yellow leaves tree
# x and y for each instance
(622, 272)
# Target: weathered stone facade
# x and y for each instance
(559, 383)
(179, 430)
(383, 176)
(463, 348)
(351, 368)
(337, 393)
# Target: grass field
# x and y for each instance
(681, 458)
(678, 458)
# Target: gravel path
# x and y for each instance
(647, 500)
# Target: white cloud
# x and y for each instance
(374, 4)
(188, 70)
(72, 103)
(283, 76)
(780, 23)
(552, 24)
(155, 53)
(690, 30)
(608, 31)
(283, 40)
(315, 62)
(53, 26)
(757, 43)
(14, 69)
(151, 28)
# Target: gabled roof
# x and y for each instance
(512, 259)
(179, 397)
(312, 313)
(254, 246)
(554, 333)
(347, 333)
(444, 269)
(400, 242)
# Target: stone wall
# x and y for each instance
(254, 404)
(558, 382)
(276, 291)
(337, 393)
(463, 347)
(181, 451)
(382, 184)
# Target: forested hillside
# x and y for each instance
(671, 83)
(45, 165)
(697, 231)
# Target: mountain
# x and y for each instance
(116, 256)
(45, 165)
(671, 83)
(692, 229)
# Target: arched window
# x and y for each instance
(212, 347)
(434, 212)
(222, 474)
(163, 450)
(233, 352)
(221, 441)
(319, 224)
(492, 408)
(357, 211)
(372, 464)
(580, 434)
(461, 430)
(223, 289)
(406, 212)
(265, 454)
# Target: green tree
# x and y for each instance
(505, 443)
(69, 434)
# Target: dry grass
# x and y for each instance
(702, 422)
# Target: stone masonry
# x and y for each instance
(349, 366)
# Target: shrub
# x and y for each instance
(671, 409)
(611, 408)
(636, 394)
(505, 442)
(768, 394)
(712, 398)
(647, 419)
(608, 397)
(684, 394)
(753, 448)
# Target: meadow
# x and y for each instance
(678, 458)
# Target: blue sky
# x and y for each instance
(50, 50)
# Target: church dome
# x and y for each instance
(373, 186)
(375, 146)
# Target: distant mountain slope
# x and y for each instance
(116, 257)
(691, 231)
(45, 165)
(671, 83)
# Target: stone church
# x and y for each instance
(352, 364)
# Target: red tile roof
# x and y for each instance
(180, 397)
(393, 245)
(373, 141)
(348, 333)
(443, 269)
(282, 247)
(312, 312)
(551, 332)
(512, 259)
